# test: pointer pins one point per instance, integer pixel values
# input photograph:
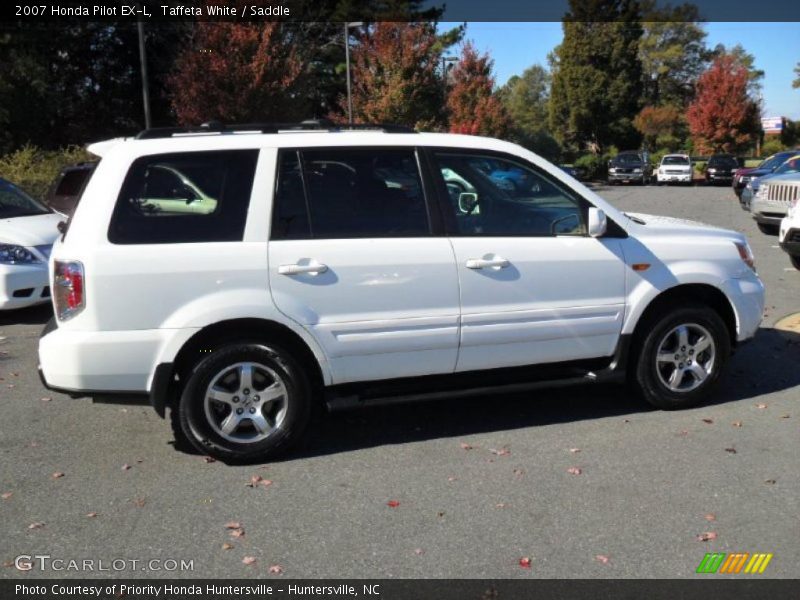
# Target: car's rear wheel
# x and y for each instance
(245, 402)
(681, 357)
(767, 228)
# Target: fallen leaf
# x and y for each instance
(233, 525)
(626, 420)
(730, 450)
(525, 562)
(227, 546)
(706, 536)
(6, 495)
(602, 558)
(737, 423)
(139, 461)
(451, 479)
(58, 475)
(500, 452)
(265, 483)
(249, 560)
(708, 421)
(440, 514)
(126, 467)
(91, 515)
(140, 502)
(419, 551)
(466, 446)
(574, 450)
(393, 503)
(36, 525)
(276, 570)
(683, 433)
(761, 405)
(574, 471)
(501, 505)
(710, 517)
(518, 473)
(769, 481)
(45, 399)
(785, 416)
(254, 481)
(209, 459)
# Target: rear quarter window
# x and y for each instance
(184, 197)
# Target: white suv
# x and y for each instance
(789, 233)
(244, 278)
(675, 168)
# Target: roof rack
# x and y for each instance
(215, 127)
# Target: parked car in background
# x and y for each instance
(629, 167)
(792, 165)
(789, 234)
(771, 204)
(309, 285)
(721, 168)
(569, 170)
(675, 168)
(743, 176)
(28, 229)
(67, 187)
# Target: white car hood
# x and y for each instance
(37, 230)
(660, 225)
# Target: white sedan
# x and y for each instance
(27, 232)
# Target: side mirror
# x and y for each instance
(467, 201)
(597, 222)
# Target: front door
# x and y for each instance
(354, 260)
(535, 288)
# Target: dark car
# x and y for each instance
(721, 168)
(743, 176)
(629, 167)
(66, 189)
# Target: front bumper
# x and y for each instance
(747, 296)
(23, 285)
(719, 177)
(674, 177)
(626, 177)
(768, 211)
(789, 238)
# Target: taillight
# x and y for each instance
(68, 289)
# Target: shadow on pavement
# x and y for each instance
(34, 315)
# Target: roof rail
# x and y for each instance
(215, 127)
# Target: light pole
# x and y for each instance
(143, 65)
(347, 27)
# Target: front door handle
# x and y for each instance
(496, 262)
(312, 268)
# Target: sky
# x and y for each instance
(776, 47)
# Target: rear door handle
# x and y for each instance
(312, 268)
(497, 262)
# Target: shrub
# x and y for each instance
(592, 166)
(771, 146)
(33, 169)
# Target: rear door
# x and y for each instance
(355, 258)
(535, 288)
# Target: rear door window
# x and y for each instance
(185, 197)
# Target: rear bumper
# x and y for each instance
(23, 285)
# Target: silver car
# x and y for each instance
(771, 202)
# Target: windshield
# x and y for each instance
(627, 158)
(774, 161)
(790, 166)
(675, 160)
(723, 161)
(16, 203)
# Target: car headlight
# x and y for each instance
(712, 170)
(11, 254)
(612, 169)
(761, 192)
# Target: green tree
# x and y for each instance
(796, 82)
(526, 98)
(597, 75)
(673, 53)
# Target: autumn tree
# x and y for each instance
(661, 126)
(597, 75)
(744, 59)
(237, 72)
(723, 116)
(473, 106)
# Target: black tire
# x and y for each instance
(795, 261)
(194, 423)
(767, 228)
(645, 368)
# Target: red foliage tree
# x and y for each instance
(472, 104)
(243, 72)
(723, 116)
(395, 77)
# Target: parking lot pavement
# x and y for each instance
(480, 483)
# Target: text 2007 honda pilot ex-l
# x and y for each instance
(244, 277)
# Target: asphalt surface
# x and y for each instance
(480, 483)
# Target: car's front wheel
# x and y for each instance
(681, 357)
(795, 261)
(245, 402)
